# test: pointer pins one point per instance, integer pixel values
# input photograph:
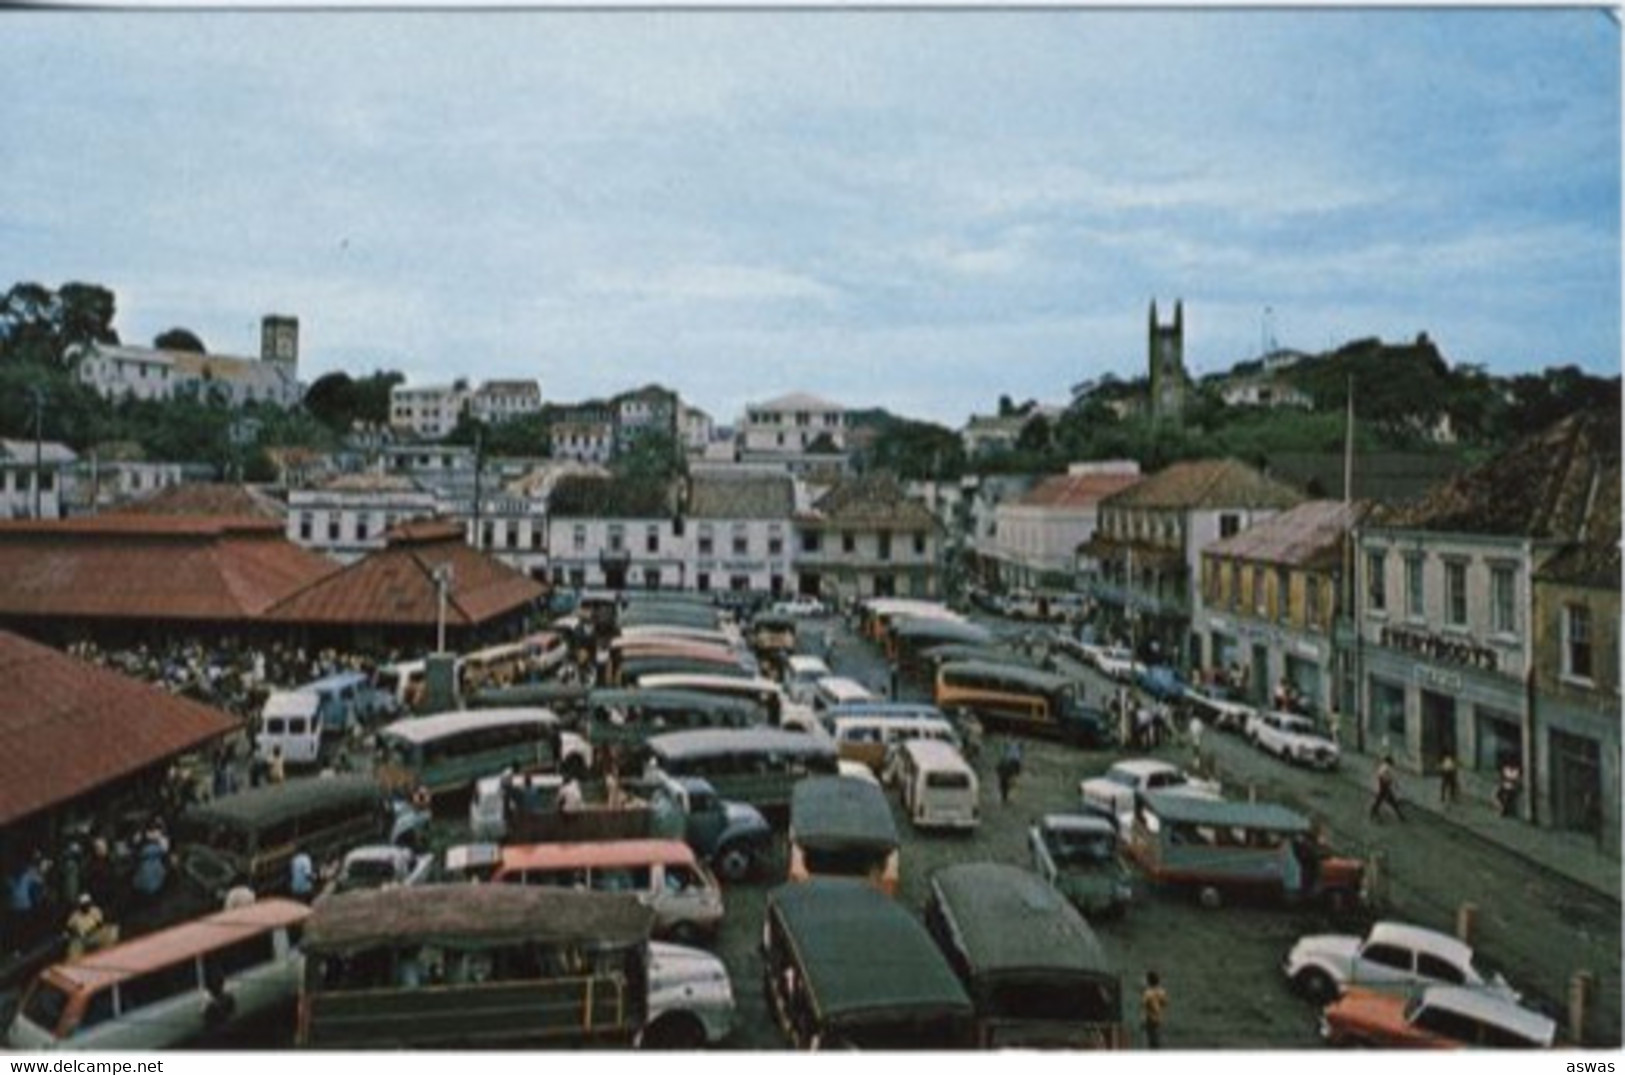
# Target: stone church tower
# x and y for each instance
(279, 341)
(1166, 355)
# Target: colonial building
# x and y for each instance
(991, 434)
(1037, 534)
(799, 432)
(1150, 539)
(113, 475)
(349, 516)
(428, 411)
(1268, 602)
(695, 430)
(495, 402)
(616, 533)
(1454, 655)
(37, 481)
(584, 432)
(864, 538)
(739, 529)
(650, 409)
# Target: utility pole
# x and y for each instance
(39, 423)
(442, 581)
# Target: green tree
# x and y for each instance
(653, 456)
(179, 339)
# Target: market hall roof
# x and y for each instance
(154, 568)
(1206, 484)
(1077, 490)
(71, 727)
(395, 586)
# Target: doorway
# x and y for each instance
(1438, 727)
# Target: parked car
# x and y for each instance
(1293, 738)
(1161, 682)
(1438, 1017)
(1117, 790)
(1392, 953)
(1078, 854)
(798, 606)
(1219, 707)
(1118, 663)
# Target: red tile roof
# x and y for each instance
(1309, 535)
(151, 567)
(1207, 483)
(71, 727)
(1076, 490)
(395, 587)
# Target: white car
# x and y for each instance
(1393, 954)
(691, 1000)
(1117, 789)
(1218, 710)
(379, 866)
(1293, 738)
(798, 606)
(1118, 662)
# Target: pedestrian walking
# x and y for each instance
(1153, 1007)
(1386, 789)
(1009, 768)
(277, 773)
(1449, 780)
(301, 876)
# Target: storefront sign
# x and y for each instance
(1432, 677)
(1439, 648)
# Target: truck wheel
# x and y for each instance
(735, 863)
(677, 1031)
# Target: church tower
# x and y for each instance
(279, 340)
(1166, 355)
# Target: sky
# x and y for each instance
(918, 210)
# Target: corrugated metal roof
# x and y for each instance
(1207, 483)
(715, 495)
(71, 727)
(151, 567)
(1299, 537)
(395, 587)
(875, 501)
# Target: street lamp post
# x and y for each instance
(442, 576)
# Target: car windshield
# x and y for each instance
(1081, 848)
(1127, 780)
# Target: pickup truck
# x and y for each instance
(524, 808)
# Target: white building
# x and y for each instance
(739, 529)
(695, 430)
(429, 411)
(1036, 535)
(348, 517)
(495, 402)
(36, 485)
(585, 440)
(650, 409)
(794, 431)
(117, 372)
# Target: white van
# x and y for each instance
(801, 675)
(939, 788)
(873, 738)
(291, 720)
(832, 691)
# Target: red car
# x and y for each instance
(1436, 1017)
